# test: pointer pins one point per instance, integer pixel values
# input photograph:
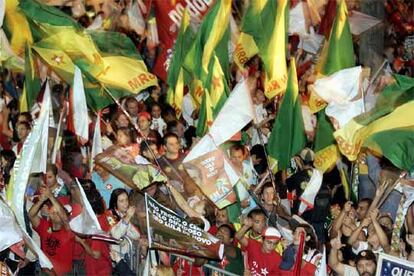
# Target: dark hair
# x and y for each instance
(189, 134)
(128, 132)
(169, 135)
(228, 227)
(366, 255)
(130, 99)
(367, 200)
(93, 196)
(312, 243)
(114, 200)
(256, 212)
(238, 147)
(26, 124)
(145, 145)
(265, 186)
(28, 116)
(172, 126)
(52, 168)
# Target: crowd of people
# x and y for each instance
(264, 233)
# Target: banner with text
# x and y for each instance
(389, 265)
(167, 231)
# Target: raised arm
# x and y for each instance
(240, 235)
(383, 239)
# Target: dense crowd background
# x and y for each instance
(259, 240)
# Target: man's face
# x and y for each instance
(362, 209)
(269, 245)
(22, 131)
(143, 123)
(50, 178)
(259, 223)
(268, 195)
(366, 267)
(172, 146)
(132, 108)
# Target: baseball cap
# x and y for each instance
(271, 233)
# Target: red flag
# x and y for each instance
(327, 19)
(168, 15)
(298, 262)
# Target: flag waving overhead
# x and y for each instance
(86, 222)
(387, 130)
(272, 46)
(78, 111)
(211, 40)
(32, 158)
(288, 134)
(177, 76)
(338, 51)
(31, 82)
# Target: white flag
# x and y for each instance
(34, 149)
(236, 113)
(79, 107)
(2, 11)
(135, 18)
(322, 269)
(360, 22)
(342, 92)
(97, 140)
(86, 222)
(11, 232)
(307, 199)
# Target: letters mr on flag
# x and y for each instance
(121, 164)
(169, 232)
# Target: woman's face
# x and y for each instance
(122, 121)
(122, 203)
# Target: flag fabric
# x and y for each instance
(78, 110)
(2, 11)
(342, 92)
(238, 107)
(360, 22)
(8, 58)
(14, 231)
(251, 23)
(177, 76)
(272, 46)
(122, 165)
(205, 117)
(344, 180)
(169, 232)
(135, 18)
(212, 39)
(323, 268)
(85, 222)
(214, 97)
(338, 51)
(10, 232)
(307, 199)
(387, 129)
(31, 82)
(96, 141)
(16, 24)
(169, 15)
(34, 148)
(288, 134)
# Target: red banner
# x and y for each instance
(168, 14)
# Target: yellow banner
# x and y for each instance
(245, 49)
(326, 158)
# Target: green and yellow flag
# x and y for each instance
(17, 26)
(212, 39)
(337, 52)
(272, 46)
(288, 134)
(250, 28)
(215, 95)
(31, 82)
(387, 130)
(177, 76)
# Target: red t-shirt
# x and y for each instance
(103, 265)
(57, 245)
(260, 263)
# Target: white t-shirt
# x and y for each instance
(350, 271)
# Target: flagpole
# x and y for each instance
(374, 78)
(269, 170)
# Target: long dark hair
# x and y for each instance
(93, 195)
(114, 199)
